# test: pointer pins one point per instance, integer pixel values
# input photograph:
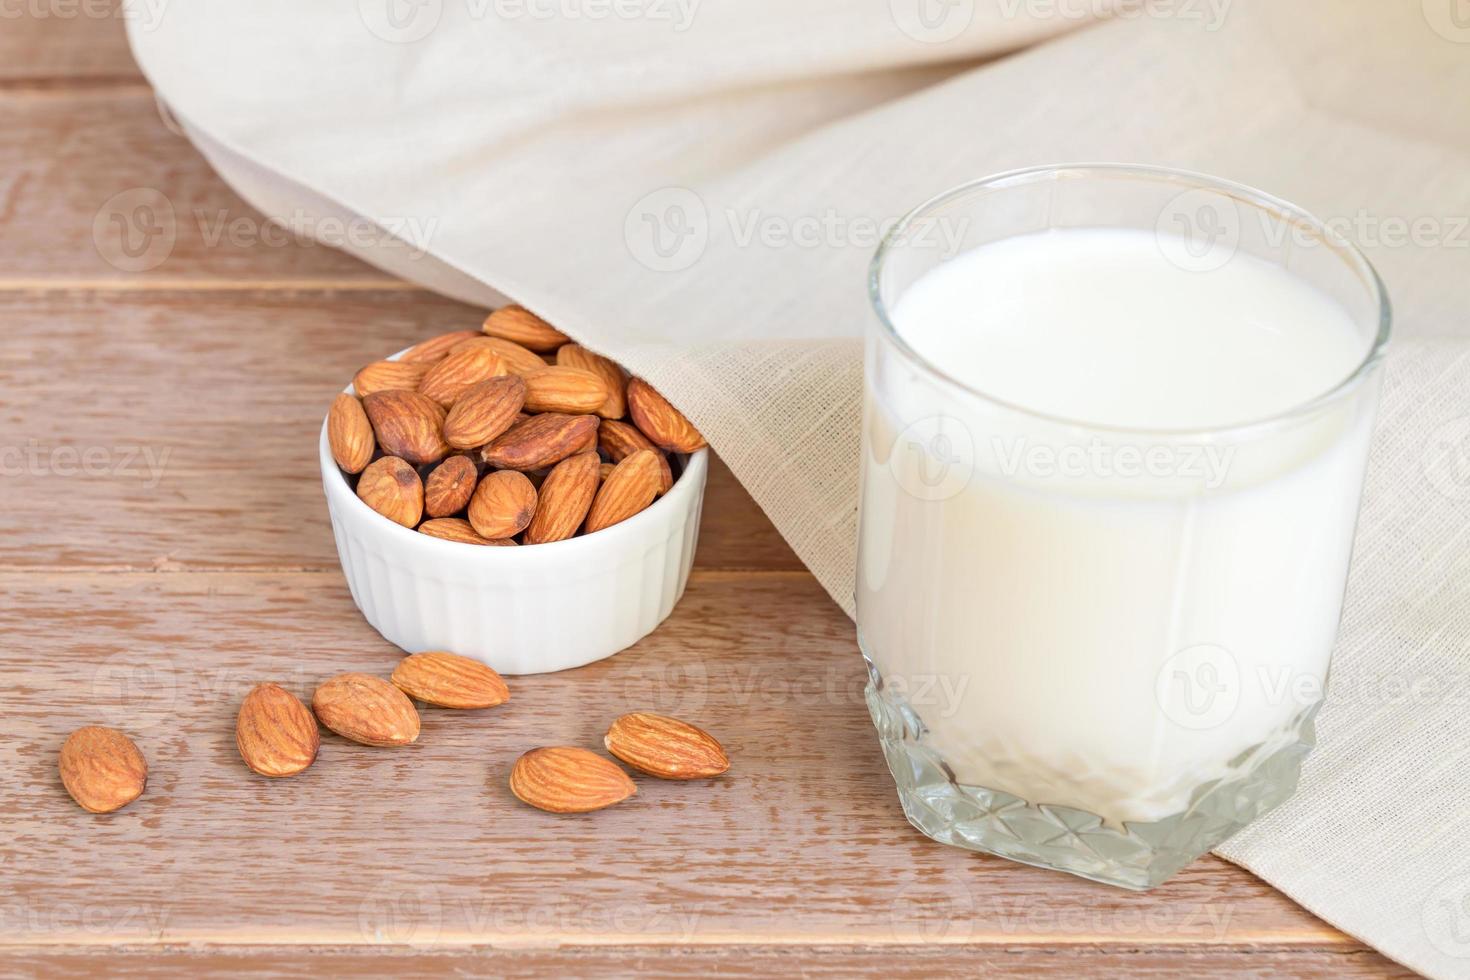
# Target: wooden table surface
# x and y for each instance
(164, 546)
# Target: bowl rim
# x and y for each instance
(693, 472)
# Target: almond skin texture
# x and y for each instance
(565, 497)
(663, 424)
(408, 424)
(517, 359)
(366, 709)
(449, 487)
(102, 769)
(450, 681)
(387, 376)
(484, 410)
(503, 504)
(569, 780)
(435, 348)
(540, 441)
(665, 747)
(518, 324)
(459, 529)
(393, 488)
(629, 488)
(564, 389)
(447, 379)
(621, 440)
(615, 406)
(275, 733)
(350, 434)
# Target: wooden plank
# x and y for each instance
(1020, 963)
(178, 430)
(57, 41)
(95, 189)
(801, 843)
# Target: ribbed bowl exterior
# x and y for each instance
(524, 610)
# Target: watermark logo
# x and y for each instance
(932, 21)
(1198, 230)
(1199, 687)
(1207, 465)
(676, 689)
(1445, 916)
(667, 230)
(400, 21)
(933, 458)
(135, 696)
(396, 914)
(135, 230)
(1447, 458)
(36, 458)
(1450, 19)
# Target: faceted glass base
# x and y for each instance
(1139, 856)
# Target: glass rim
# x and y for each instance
(1188, 180)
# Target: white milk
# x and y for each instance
(1097, 617)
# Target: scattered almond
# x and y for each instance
(436, 348)
(621, 440)
(366, 709)
(392, 488)
(450, 681)
(484, 411)
(663, 424)
(449, 486)
(564, 779)
(503, 504)
(518, 324)
(459, 529)
(665, 747)
(350, 434)
(630, 488)
(407, 424)
(615, 406)
(564, 499)
(564, 389)
(447, 379)
(387, 376)
(102, 769)
(275, 733)
(540, 441)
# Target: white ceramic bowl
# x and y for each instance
(524, 610)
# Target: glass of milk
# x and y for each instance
(1115, 427)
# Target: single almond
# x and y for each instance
(350, 434)
(564, 499)
(630, 488)
(102, 769)
(564, 389)
(540, 441)
(392, 488)
(663, 424)
(408, 424)
(449, 486)
(665, 747)
(447, 379)
(450, 681)
(366, 709)
(435, 348)
(461, 530)
(562, 779)
(622, 439)
(517, 359)
(615, 406)
(484, 410)
(275, 733)
(518, 324)
(503, 504)
(388, 376)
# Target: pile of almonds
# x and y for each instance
(509, 435)
(277, 736)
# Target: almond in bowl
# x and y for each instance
(512, 436)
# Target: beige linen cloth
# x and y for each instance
(695, 187)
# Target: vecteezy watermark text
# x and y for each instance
(1207, 464)
(130, 462)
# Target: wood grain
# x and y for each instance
(68, 41)
(801, 842)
